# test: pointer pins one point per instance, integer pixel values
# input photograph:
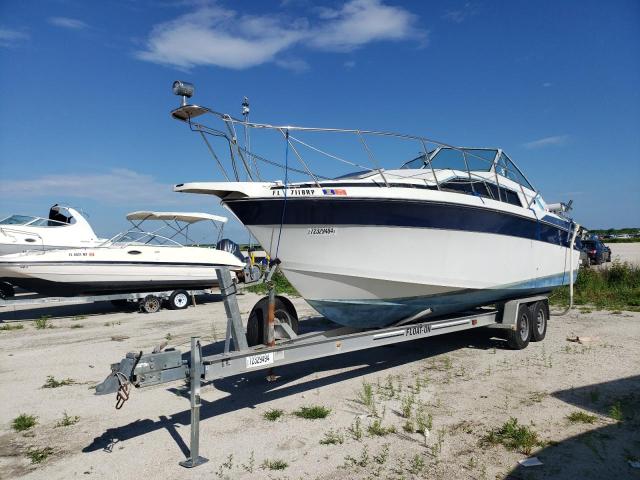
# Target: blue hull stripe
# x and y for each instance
(393, 212)
(381, 313)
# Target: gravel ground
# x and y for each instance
(625, 252)
(468, 383)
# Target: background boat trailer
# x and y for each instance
(148, 302)
(523, 319)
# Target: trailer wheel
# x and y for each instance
(519, 338)
(285, 313)
(179, 300)
(539, 320)
(6, 290)
(150, 304)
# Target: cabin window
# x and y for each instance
(483, 189)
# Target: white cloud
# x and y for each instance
(359, 22)
(547, 84)
(214, 35)
(70, 23)
(460, 15)
(8, 37)
(116, 187)
(294, 64)
(349, 64)
(554, 141)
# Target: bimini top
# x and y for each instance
(188, 217)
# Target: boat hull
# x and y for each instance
(432, 260)
(105, 270)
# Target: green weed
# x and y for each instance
(67, 421)
(581, 417)
(24, 422)
(7, 327)
(276, 464)
(513, 436)
(273, 414)
(53, 383)
(43, 322)
(377, 430)
(356, 429)
(332, 438)
(39, 455)
(313, 412)
(616, 287)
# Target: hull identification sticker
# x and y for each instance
(322, 231)
(259, 360)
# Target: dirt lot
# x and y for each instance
(465, 385)
(625, 252)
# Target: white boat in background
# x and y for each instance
(452, 229)
(132, 261)
(65, 227)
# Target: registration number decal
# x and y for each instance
(417, 330)
(259, 360)
(323, 231)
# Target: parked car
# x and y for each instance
(597, 251)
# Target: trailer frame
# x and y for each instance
(148, 369)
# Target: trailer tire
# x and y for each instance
(539, 320)
(179, 300)
(150, 304)
(519, 338)
(6, 290)
(285, 312)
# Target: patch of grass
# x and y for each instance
(43, 322)
(363, 461)
(275, 464)
(168, 337)
(67, 421)
(424, 421)
(76, 325)
(367, 398)
(377, 430)
(416, 464)
(615, 412)
(273, 414)
(409, 427)
(513, 436)
(312, 412)
(251, 463)
(594, 395)
(332, 438)
(383, 456)
(407, 405)
(616, 287)
(78, 317)
(8, 326)
(24, 422)
(356, 429)
(53, 383)
(282, 286)
(39, 455)
(581, 417)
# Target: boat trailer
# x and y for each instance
(283, 346)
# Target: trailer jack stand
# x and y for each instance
(194, 386)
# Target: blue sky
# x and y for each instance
(87, 90)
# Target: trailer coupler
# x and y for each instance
(143, 370)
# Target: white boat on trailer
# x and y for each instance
(132, 261)
(65, 227)
(350, 244)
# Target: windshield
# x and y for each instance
(31, 221)
(142, 238)
(473, 159)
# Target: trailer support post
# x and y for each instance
(195, 371)
(234, 319)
